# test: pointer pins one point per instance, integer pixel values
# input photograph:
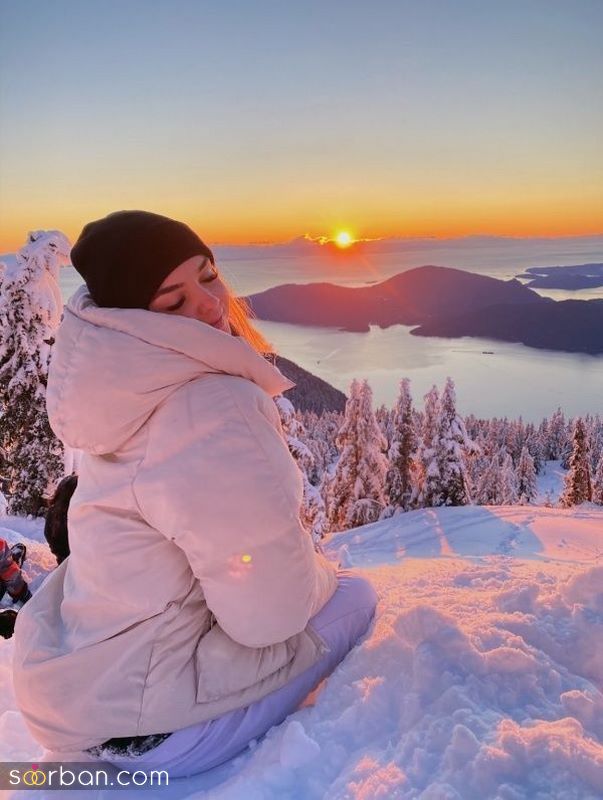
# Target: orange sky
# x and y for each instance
(519, 218)
(401, 122)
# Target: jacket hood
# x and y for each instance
(111, 367)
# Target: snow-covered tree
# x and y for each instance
(526, 477)
(598, 483)
(451, 447)
(312, 512)
(355, 491)
(508, 482)
(577, 486)
(426, 490)
(30, 312)
(487, 490)
(557, 436)
(535, 447)
(398, 482)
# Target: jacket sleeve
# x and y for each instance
(218, 480)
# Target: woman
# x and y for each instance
(192, 613)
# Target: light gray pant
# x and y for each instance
(341, 622)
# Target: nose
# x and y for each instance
(207, 302)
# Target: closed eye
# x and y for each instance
(213, 274)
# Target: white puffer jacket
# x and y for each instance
(187, 505)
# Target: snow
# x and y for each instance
(481, 676)
(551, 479)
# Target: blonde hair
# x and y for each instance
(240, 316)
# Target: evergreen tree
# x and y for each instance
(426, 490)
(577, 486)
(398, 482)
(30, 312)
(451, 446)
(526, 477)
(355, 492)
(535, 447)
(312, 511)
(557, 437)
(598, 483)
(508, 482)
(487, 491)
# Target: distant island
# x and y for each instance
(409, 298)
(578, 276)
(445, 302)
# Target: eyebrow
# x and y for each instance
(167, 289)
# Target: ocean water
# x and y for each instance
(493, 379)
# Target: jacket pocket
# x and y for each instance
(225, 666)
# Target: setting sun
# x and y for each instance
(343, 239)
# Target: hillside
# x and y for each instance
(311, 393)
(480, 678)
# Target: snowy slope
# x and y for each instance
(481, 677)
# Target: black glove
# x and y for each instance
(7, 622)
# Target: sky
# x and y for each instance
(261, 121)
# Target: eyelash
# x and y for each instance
(206, 280)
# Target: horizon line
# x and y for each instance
(322, 240)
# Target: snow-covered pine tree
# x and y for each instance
(535, 447)
(508, 482)
(355, 492)
(30, 312)
(385, 420)
(452, 444)
(594, 434)
(598, 483)
(477, 461)
(526, 477)
(558, 440)
(487, 491)
(426, 489)
(577, 486)
(312, 512)
(398, 481)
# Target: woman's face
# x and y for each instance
(194, 289)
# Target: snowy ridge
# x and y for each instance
(480, 678)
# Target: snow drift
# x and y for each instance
(480, 678)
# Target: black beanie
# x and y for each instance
(125, 257)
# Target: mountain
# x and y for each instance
(443, 302)
(572, 326)
(311, 393)
(480, 676)
(409, 298)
